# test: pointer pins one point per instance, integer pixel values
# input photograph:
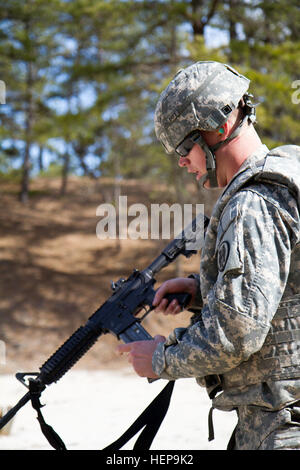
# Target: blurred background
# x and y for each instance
(82, 78)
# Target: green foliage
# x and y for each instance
(54, 170)
(11, 175)
(83, 77)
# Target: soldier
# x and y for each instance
(243, 342)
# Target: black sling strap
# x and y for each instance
(51, 436)
(150, 419)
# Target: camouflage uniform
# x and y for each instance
(246, 341)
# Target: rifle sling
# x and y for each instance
(51, 436)
(150, 419)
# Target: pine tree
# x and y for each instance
(27, 43)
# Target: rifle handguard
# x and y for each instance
(68, 354)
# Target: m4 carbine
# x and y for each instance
(118, 315)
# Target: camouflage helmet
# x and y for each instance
(201, 96)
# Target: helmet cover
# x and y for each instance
(201, 96)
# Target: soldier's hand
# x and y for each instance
(140, 355)
(173, 286)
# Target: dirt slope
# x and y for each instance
(55, 272)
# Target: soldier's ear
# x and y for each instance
(224, 130)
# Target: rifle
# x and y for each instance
(118, 316)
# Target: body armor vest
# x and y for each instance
(279, 357)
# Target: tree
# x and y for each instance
(264, 45)
(83, 77)
(27, 44)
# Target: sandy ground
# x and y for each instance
(54, 273)
(90, 409)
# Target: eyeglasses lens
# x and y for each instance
(184, 148)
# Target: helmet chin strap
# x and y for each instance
(210, 155)
(210, 163)
(211, 174)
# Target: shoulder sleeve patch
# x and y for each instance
(223, 253)
(228, 247)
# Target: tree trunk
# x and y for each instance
(117, 194)
(40, 159)
(65, 172)
(232, 19)
(199, 19)
(23, 196)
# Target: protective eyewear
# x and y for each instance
(186, 145)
